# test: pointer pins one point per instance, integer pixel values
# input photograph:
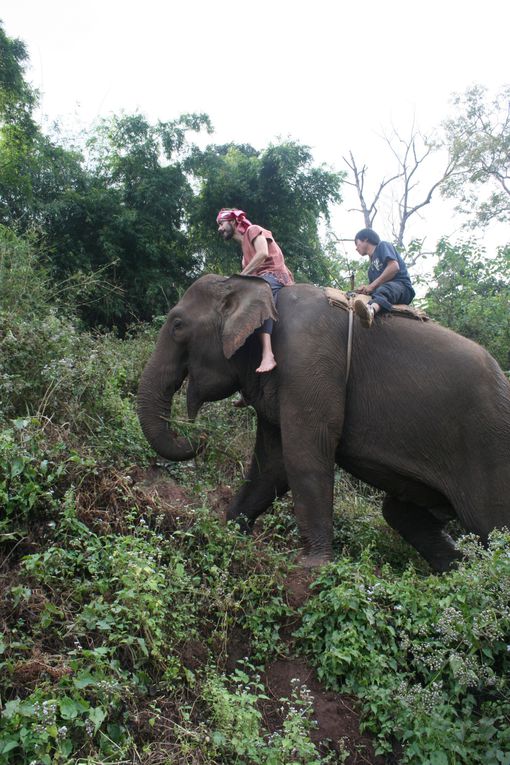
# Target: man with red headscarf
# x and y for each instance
(261, 257)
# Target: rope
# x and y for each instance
(350, 296)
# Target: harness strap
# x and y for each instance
(349, 335)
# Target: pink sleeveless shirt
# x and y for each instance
(274, 264)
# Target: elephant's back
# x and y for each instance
(395, 344)
(301, 303)
(310, 333)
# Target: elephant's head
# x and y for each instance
(202, 332)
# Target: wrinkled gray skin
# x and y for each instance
(425, 414)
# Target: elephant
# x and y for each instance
(423, 415)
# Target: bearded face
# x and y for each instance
(226, 230)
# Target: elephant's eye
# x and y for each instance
(177, 327)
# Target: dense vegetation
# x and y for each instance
(119, 609)
(136, 626)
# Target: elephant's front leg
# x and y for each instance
(309, 460)
(265, 481)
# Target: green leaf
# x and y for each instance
(66, 747)
(438, 758)
(68, 708)
(16, 467)
(97, 716)
(83, 680)
(7, 745)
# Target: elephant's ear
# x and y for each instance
(247, 301)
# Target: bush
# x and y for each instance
(101, 620)
(49, 369)
(32, 333)
(237, 735)
(429, 657)
(33, 478)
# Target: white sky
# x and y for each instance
(332, 75)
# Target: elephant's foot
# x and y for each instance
(313, 560)
(445, 559)
(244, 524)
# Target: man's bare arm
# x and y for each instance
(261, 253)
(389, 273)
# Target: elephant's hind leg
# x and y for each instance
(422, 529)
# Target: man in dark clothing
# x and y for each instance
(389, 282)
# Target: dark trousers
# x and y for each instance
(276, 286)
(392, 293)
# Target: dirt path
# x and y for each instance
(336, 715)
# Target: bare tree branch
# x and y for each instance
(369, 211)
(411, 154)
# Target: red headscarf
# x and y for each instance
(241, 221)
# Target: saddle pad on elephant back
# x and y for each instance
(341, 300)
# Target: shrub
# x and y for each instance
(33, 477)
(101, 620)
(83, 382)
(429, 657)
(237, 733)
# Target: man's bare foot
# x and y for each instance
(266, 365)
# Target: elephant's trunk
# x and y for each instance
(154, 405)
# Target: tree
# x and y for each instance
(120, 211)
(471, 295)
(478, 139)
(18, 130)
(279, 188)
(127, 218)
(409, 156)
(17, 98)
